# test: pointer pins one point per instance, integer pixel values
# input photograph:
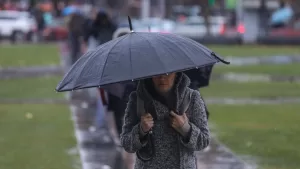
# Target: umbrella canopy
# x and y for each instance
(135, 56)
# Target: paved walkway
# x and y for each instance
(33, 71)
(262, 60)
(96, 146)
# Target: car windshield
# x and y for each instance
(200, 21)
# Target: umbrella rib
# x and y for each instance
(196, 43)
(69, 72)
(210, 55)
(163, 65)
(92, 56)
(130, 58)
(109, 53)
(85, 63)
(179, 48)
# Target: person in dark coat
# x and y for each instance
(76, 32)
(176, 117)
(117, 103)
(101, 29)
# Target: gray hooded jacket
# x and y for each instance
(172, 151)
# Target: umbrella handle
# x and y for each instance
(130, 24)
(221, 60)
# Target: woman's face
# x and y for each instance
(164, 83)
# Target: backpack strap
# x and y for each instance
(140, 106)
(185, 104)
(186, 101)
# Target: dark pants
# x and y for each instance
(74, 44)
(118, 106)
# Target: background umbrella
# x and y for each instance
(136, 56)
(199, 77)
(69, 10)
(282, 15)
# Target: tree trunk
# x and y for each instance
(31, 4)
(55, 6)
(206, 13)
(296, 8)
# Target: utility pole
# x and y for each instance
(162, 8)
(145, 9)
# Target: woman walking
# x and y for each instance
(165, 123)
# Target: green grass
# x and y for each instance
(29, 55)
(250, 89)
(267, 132)
(48, 54)
(37, 143)
(30, 88)
(254, 50)
(285, 69)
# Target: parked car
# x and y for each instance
(154, 24)
(194, 27)
(292, 31)
(55, 31)
(17, 26)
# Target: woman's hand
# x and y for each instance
(146, 122)
(180, 123)
(177, 121)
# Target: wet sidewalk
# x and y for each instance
(216, 156)
(97, 147)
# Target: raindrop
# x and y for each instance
(92, 128)
(132, 80)
(167, 74)
(249, 144)
(106, 167)
(196, 67)
(84, 105)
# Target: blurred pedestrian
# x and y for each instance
(75, 36)
(118, 94)
(101, 29)
(39, 17)
(98, 29)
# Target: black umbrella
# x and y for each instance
(199, 77)
(135, 56)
